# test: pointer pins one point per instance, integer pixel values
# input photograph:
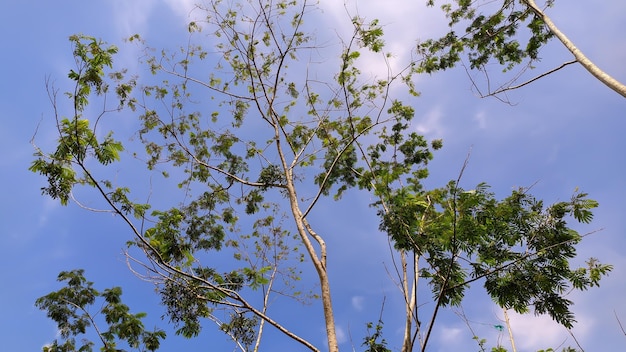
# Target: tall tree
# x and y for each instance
(276, 135)
(494, 31)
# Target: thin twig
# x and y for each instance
(499, 91)
(619, 322)
(575, 340)
(463, 317)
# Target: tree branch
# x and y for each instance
(602, 76)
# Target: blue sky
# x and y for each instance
(563, 132)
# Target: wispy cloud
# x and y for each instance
(49, 206)
(392, 15)
(132, 17)
(397, 27)
(357, 302)
(481, 118)
(451, 337)
(532, 332)
(341, 335)
(184, 9)
(430, 124)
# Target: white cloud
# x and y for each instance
(182, 8)
(357, 302)
(430, 123)
(132, 17)
(481, 118)
(403, 24)
(341, 335)
(451, 338)
(532, 332)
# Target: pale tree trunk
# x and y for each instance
(410, 297)
(508, 326)
(580, 57)
(319, 261)
(320, 266)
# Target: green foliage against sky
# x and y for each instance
(520, 248)
(76, 308)
(486, 31)
(265, 148)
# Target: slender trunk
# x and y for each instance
(319, 262)
(407, 346)
(580, 57)
(320, 266)
(508, 326)
(410, 297)
(266, 299)
(333, 345)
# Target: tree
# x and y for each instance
(69, 307)
(276, 137)
(491, 32)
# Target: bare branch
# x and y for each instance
(619, 323)
(506, 88)
(571, 333)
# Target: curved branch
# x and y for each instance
(534, 79)
(508, 86)
(598, 73)
(332, 167)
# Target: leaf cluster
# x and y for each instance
(520, 247)
(77, 140)
(488, 35)
(374, 340)
(70, 306)
(242, 328)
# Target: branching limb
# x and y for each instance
(205, 85)
(453, 257)
(532, 80)
(575, 340)
(467, 322)
(602, 76)
(105, 345)
(509, 86)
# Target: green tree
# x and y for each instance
(274, 137)
(509, 32)
(70, 307)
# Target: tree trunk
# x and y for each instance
(410, 297)
(319, 261)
